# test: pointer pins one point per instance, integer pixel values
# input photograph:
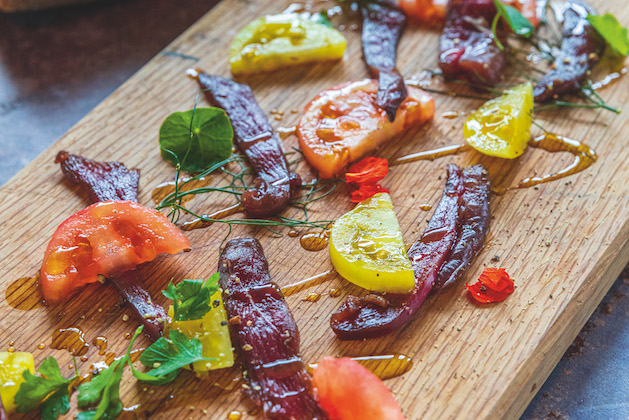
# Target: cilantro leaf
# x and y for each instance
(612, 32)
(165, 356)
(192, 298)
(196, 139)
(104, 387)
(518, 23)
(36, 388)
(322, 18)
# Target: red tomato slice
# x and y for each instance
(432, 12)
(348, 391)
(343, 124)
(105, 238)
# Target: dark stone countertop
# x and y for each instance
(56, 66)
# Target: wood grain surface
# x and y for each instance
(564, 242)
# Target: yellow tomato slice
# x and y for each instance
(366, 247)
(274, 42)
(213, 333)
(502, 127)
(12, 365)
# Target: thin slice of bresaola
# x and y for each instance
(265, 335)
(107, 181)
(461, 209)
(103, 181)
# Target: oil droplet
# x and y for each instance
(454, 149)
(164, 189)
(11, 343)
(70, 339)
(584, 157)
(127, 336)
(425, 207)
(385, 366)
(83, 359)
(101, 343)
(41, 346)
(134, 355)
(24, 294)
(450, 115)
(309, 282)
(10, 349)
(312, 297)
(286, 132)
(334, 293)
(220, 214)
(293, 233)
(234, 415)
(315, 241)
(109, 358)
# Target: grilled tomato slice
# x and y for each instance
(105, 238)
(343, 124)
(274, 42)
(366, 247)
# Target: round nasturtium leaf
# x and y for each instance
(197, 138)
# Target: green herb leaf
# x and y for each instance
(104, 387)
(36, 388)
(612, 31)
(165, 356)
(196, 139)
(518, 23)
(192, 298)
(322, 18)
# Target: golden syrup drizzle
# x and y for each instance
(425, 207)
(385, 366)
(454, 149)
(450, 115)
(219, 214)
(334, 293)
(70, 339)
(315, 241)
(584, 157)
(309, 282)
(312, 297)
(286, 132)
(164, 189)
(24, 294)
(101, 343)
(610, 78)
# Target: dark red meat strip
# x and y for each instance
(383, 24)
(468, 49)
(105, 181)
(265, 334)
(474, 224)
(581, 48)
(256, 139)
(464, 195)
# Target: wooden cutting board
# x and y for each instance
(563, 242)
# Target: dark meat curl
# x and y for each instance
(265, 335)
(383, 24)
(455, 234)
(467, 48)
(581, 49)
(256, 139)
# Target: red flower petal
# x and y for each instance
(368, 170)
(493, 285)
(367, 191)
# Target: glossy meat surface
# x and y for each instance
(467, 48)
(473, 226)
(461, 209)
(265, 334)
(383, 24)
(581, 49)
(255, 138)
(103, 181)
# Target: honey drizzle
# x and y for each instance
(101, 343)
(70, 339)
(309, 282)
(24, 294)
(433, 154)
(584, 157)
(164, 189)
(286, 132)
(219, 214)
(315, 241)
(385, 366)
